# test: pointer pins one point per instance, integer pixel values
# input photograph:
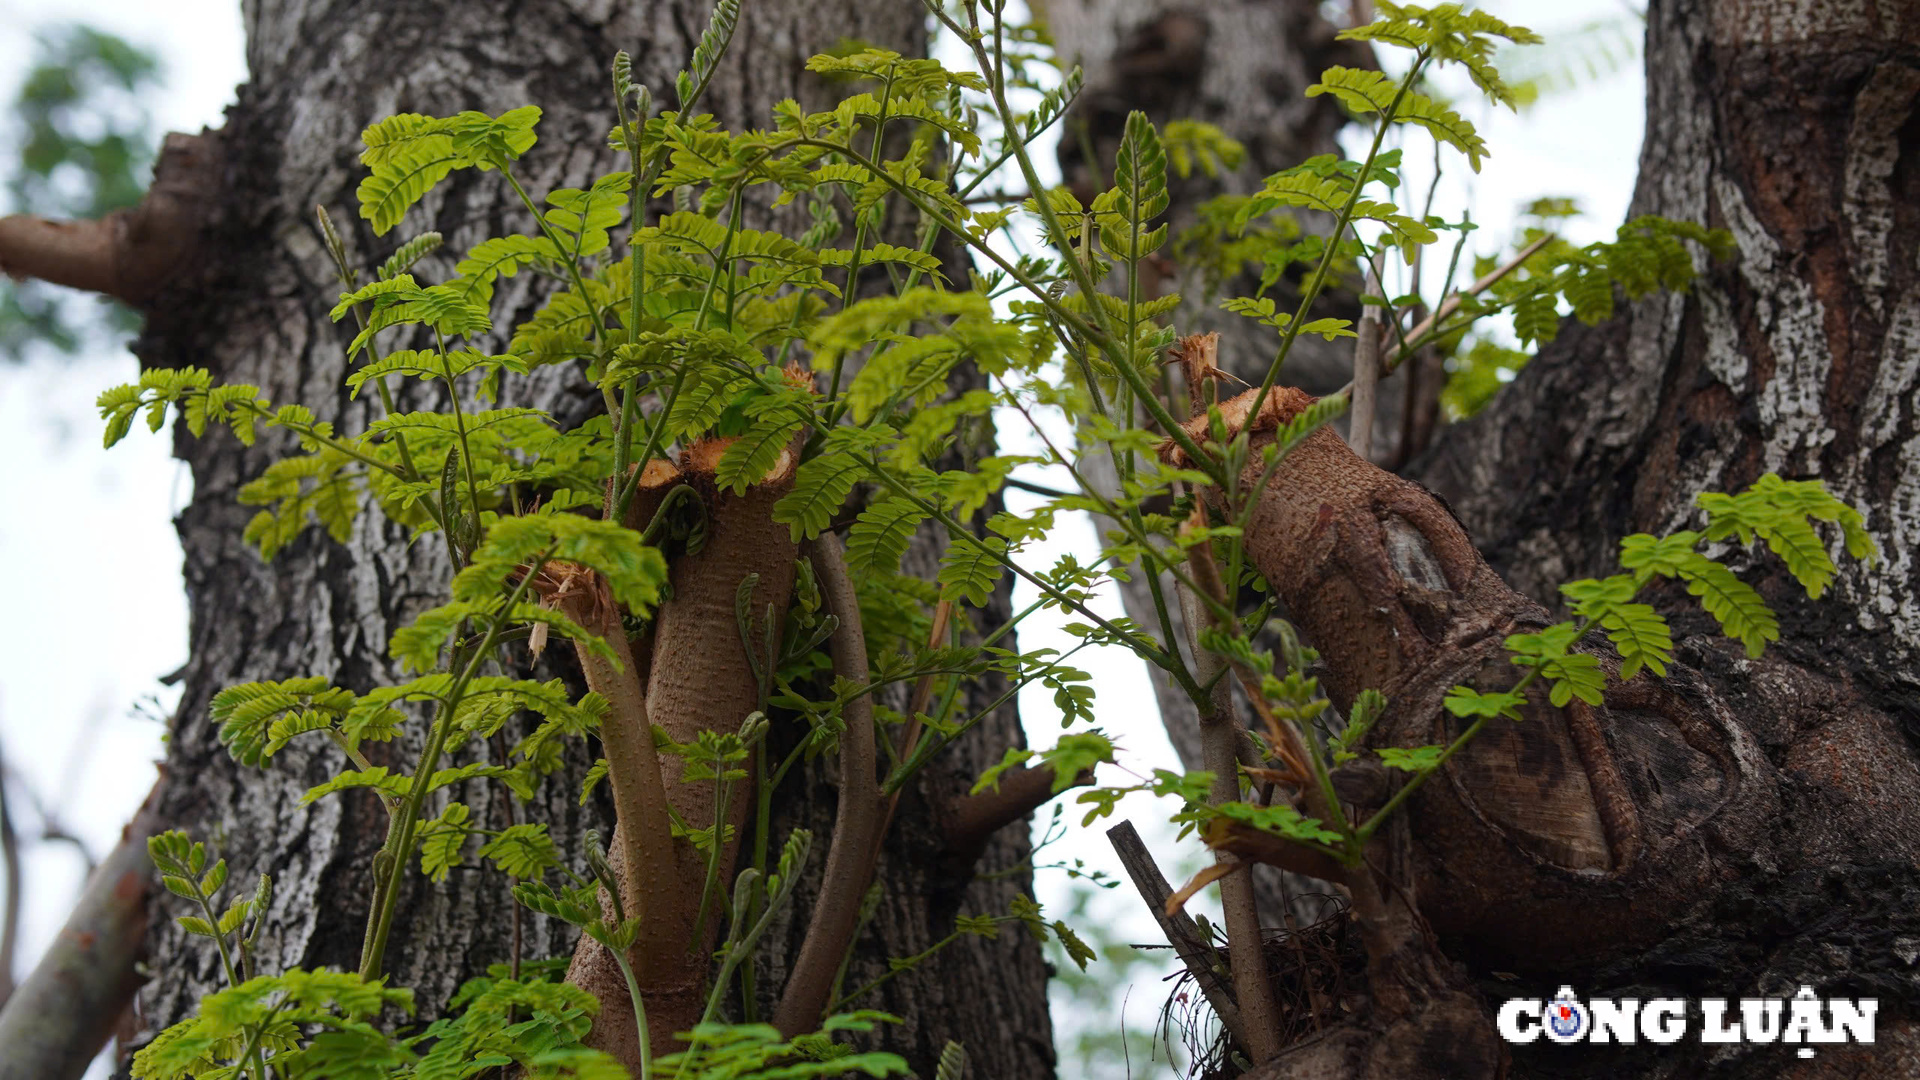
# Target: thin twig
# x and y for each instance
(1452, 303)
(1366, 376)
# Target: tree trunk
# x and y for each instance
(258, 315)
(1740, 827)
(1793, 126)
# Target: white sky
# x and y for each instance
(98, 612)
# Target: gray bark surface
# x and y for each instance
(1793, 126)
(257, 314)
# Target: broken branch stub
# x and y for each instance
(130, 254)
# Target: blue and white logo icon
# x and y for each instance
(1564, 1019)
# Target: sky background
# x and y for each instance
(96, 610)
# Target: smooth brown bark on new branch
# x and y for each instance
(129, 254)
(700, 680)
(643, 840)
(857, 819)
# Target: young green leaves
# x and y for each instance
(407, 154)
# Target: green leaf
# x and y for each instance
(195, 925)
(971, 568)
(1742, 614)
(396, 183)
(1418, 759)
(441, 840)
(1665, 555)
(819, 490)
(990, 779)
(215, 878)
(1140, 172)
(523, 851)
(1078, 951)
(379, 778)
(879, 538)
(501, 256)
(749, 458)
(1280, 819)
(409, 253)
(1329, 328)
(1468, 703)
(1642, 637)
(1075, 754)
(236, 914)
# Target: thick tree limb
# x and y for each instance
(856, 823)
(703, 679)
(129, 254)
(60, 1016)
(643, 846)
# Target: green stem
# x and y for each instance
(1366, 831)
(639, 1013)
(401, 835)
(1341, 224)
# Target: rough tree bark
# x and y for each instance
(1793, 126)
(1740, 827)
(255, 311)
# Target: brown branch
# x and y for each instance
(703, 680)
(1220, 735)
(971, 820)
(856, 823)
(644, 854)
(1256, 846)
(1194, 950)
(129, 254)
(65, 1010)
(649, 866)
(78, 254)
(1258, 1013)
